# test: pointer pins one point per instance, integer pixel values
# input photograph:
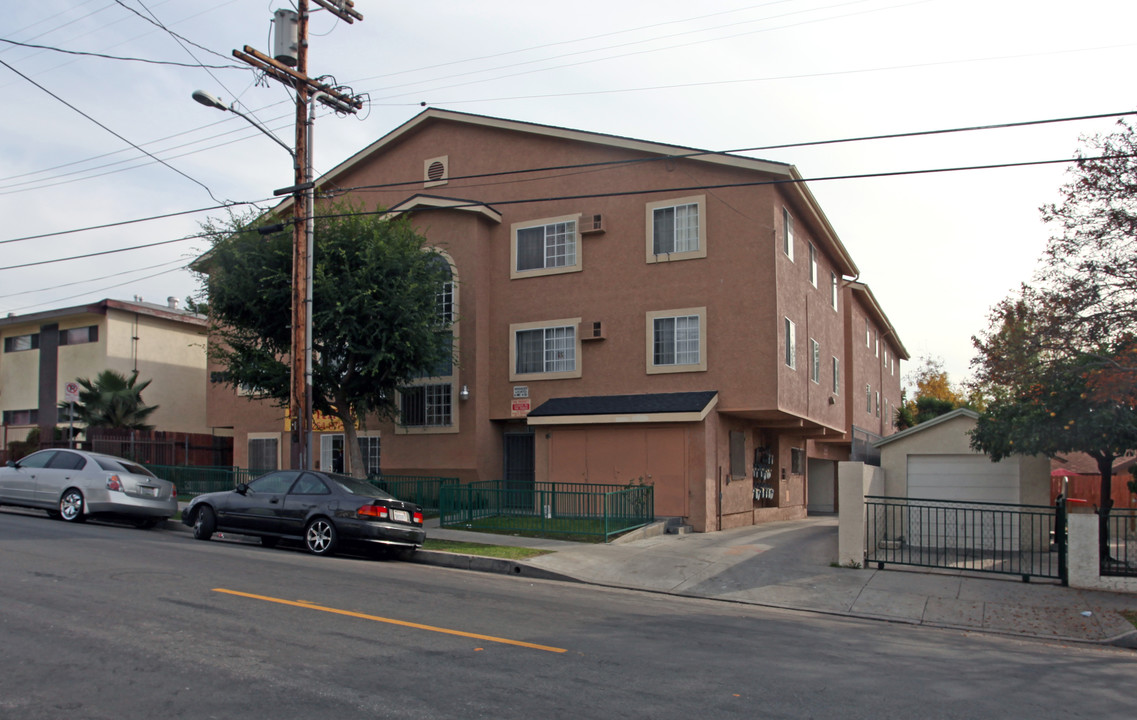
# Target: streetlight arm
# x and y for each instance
(212, 101)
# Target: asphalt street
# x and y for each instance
(102, 621)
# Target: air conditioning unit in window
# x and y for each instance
(591, 224)
(592, 331)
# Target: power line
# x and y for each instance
(131, 222)
(105, 252)
(623, 193)
(705, 153)
(56, 301)
(95, 279)
(112, 132)
(119, 57)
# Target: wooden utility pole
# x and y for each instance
(307, 91)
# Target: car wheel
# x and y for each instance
(204, 523)
(269, 542)
(320, 537)
(71, 505)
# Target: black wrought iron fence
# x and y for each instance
(979, 537)
(1122, 557)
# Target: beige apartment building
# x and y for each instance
(624, 311)
(44, 351)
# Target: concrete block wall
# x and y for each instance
(1084, 559)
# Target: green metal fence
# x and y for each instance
(197, 480)
(422, 491)
(581, 509)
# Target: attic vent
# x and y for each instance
(436, 171)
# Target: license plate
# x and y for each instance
(400, 516)
(149, 491)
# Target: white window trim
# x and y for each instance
(833, 290)
(700, 252)
(814, 361)
(813, 264)
(836, 376)
(651, 317)
(789, 355)
(514, 273)
(514, 328)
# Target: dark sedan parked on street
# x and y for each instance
(323, 510)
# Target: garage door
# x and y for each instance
(963, 479)
(970, 478)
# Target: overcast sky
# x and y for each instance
(938, 249)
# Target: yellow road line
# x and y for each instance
(390, 621)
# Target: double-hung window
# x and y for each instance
(545, 349)
(813, 265)
(675, 229)
(676, 340)
(833, 290)
(547, 247)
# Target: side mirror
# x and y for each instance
(12, 464)
(242, 488)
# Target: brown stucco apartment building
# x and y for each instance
(624, 311)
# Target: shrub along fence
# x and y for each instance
(553, 508)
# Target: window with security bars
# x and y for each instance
(263, 453)
(676, 340)
(425, 406)
(369, 449)
(543, 350)
(546, 246)
(675, 229)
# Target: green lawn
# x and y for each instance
(484, 550)
(583, 530)
(1131, 616)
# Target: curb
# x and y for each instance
(478, 563)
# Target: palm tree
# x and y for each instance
(112, 401)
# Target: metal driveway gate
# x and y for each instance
(1000, 538)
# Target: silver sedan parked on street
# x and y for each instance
(74, 485)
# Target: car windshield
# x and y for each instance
(111, 464)
(359, 487)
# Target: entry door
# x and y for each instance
(517, 473)
(331, 453)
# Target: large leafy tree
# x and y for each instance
(376, 324)
(112, 400)
(935, 395)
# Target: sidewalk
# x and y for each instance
(787, 565)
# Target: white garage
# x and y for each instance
(934, 461)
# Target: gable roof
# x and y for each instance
(806, 204)
(872, 307)
(958, 412)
